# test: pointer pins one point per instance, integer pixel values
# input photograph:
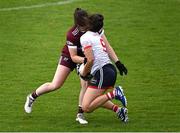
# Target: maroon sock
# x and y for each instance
(80, 110)
(34, 95)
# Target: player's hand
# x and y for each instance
(80, 69)
(122, 69)
(87, 77)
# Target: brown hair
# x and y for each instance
(80, 17)
(96, 22)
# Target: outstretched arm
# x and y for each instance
(122, 69)
(110, 50)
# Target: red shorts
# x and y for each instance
(67, 61)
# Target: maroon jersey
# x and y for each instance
(73, 41)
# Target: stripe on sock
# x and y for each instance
(115, 108)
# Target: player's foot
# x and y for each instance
(123, 114)
(81, 119)
(119, 95)
(29, 103)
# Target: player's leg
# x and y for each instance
(122, 112)
(105, 78)
(80, 116)
(82, 91)
(60, 76)
(118, 94)
(107, 105)
(63, 69)
(93, 99)
(117, 109)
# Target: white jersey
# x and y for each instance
(94, 40)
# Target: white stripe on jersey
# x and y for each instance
(72, 46)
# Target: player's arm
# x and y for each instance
(122, 69)
(90, 59)
(110, 50)
(73, 53)
(73, 49)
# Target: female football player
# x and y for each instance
(103, 72)
(71, 54)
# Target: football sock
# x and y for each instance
(80, 110)
(115, 108)
(110, 95)
(34, 95)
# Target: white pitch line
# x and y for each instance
(38, 6)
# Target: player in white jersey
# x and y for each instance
(104, 73)
(95, 41)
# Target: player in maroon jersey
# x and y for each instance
(70, 53)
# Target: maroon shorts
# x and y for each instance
(67, 61)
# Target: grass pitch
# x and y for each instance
(144, 33)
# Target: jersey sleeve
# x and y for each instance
(70, 41)
(85, 41)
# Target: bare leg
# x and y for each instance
(60, 76)
(82, 91)
(93, 99)
(108, 105)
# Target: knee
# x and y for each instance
(53, 86)
(86, 109)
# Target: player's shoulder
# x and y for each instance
(73, 32)
(87, 34)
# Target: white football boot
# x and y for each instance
(29, 103)
(81, 119)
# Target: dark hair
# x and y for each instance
(80, 17)
(96, 22)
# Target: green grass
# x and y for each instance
(144, 33)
